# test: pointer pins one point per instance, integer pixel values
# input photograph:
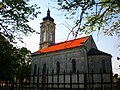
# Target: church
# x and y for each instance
(80, 54)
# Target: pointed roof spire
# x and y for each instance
(48, 12)
(48, 17)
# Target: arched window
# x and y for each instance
(51, 37)
(35, 69)
(103, 65)
(44, 36)
(58, 67)
(44, 68)
(73, 65)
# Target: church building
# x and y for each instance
(80, 54)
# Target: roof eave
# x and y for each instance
(61, 50)
(35, 53)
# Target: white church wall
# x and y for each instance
(96, 63)
(65, 58)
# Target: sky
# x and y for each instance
(108, 44)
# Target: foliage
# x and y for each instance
(5, 57)
(14, 18)
(101, 15)
(24, 63)
(14, 62)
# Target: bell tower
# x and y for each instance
(47, 31)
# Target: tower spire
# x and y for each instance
(48, 17)
(48, 12)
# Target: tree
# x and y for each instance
(6, 55)
(24, 63)
(14, 62)
(94, 15)
(14, 18)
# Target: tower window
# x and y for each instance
(51, 36)
(73, 65)
(44, 35)
(58, 67)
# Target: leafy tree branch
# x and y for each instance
(14, 18)
(95, 15)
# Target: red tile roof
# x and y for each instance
(64, 45)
